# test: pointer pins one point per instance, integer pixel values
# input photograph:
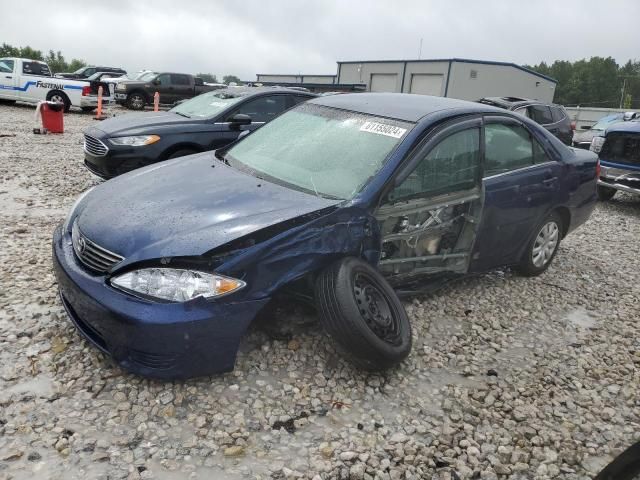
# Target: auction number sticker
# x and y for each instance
(383, 129)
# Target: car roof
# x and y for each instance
(402, 106)
(511, 102)
(247, 91)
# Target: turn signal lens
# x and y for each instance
(176, 285)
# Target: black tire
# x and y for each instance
(88, 109)
(181, 153)
(136, 101)
(60, 97)
(362, 313)
(529, 267)
(605, 193)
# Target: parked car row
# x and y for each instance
(335, 199)
(32, 81)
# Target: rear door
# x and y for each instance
(182, 86)
(8, 79)
(521, 182)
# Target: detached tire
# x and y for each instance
(605, 193)
(543, 247)
(59, 97)
(362, 313)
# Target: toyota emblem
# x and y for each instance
(82, 245)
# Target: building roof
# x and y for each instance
(458, 60)
(402, 106)
(295, 75)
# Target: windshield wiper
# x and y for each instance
(182, 114)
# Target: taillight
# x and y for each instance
(598, 169)
(86, 91)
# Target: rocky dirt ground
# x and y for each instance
(509, 377)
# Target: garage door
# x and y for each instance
(426, 84)
(383, 82)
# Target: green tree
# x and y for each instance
(231, 78)
(208, 77)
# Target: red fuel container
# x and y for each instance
(52, 117)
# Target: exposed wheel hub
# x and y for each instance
(375, 310)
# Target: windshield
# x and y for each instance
(208, 104)
(80, 71)
(328, 152)
(145, 77)
(606, 121)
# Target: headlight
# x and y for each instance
(135, 141)
(67, 221)
(176, 285)
(596, 144)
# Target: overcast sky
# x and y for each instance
(245, 37)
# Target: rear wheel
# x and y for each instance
(59, 97)
(360, 310)
(543, 247)
(605, 193)
(136, 101)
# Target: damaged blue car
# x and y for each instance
(345, 199)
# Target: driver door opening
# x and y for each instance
(429, 220)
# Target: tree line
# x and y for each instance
(55, 60)
(57, 63)
(596, 82)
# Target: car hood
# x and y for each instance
(625, 127)
(142, 122)
(586, 136)
(185, 207)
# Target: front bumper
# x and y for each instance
(618, 177)
(119, 160)
(152, 339)
(92, 101)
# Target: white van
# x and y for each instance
(30, 81)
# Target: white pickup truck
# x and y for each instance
(30, 81)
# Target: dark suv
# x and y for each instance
(86, 72)
(551, 116)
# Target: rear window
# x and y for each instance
(36, 68)
(557, 113)
(541, 114)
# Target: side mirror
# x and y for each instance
(585, 127)
(155, 81)
(239, 119)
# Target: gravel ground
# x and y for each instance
(509, 377)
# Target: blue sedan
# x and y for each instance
(345, 199)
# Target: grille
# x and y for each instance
(621, 148)
(94, 146)
(93, 256)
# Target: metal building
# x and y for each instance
(283, 78)
(453, 77)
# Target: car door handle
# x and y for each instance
(8, 76)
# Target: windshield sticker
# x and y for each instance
(382, 129)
